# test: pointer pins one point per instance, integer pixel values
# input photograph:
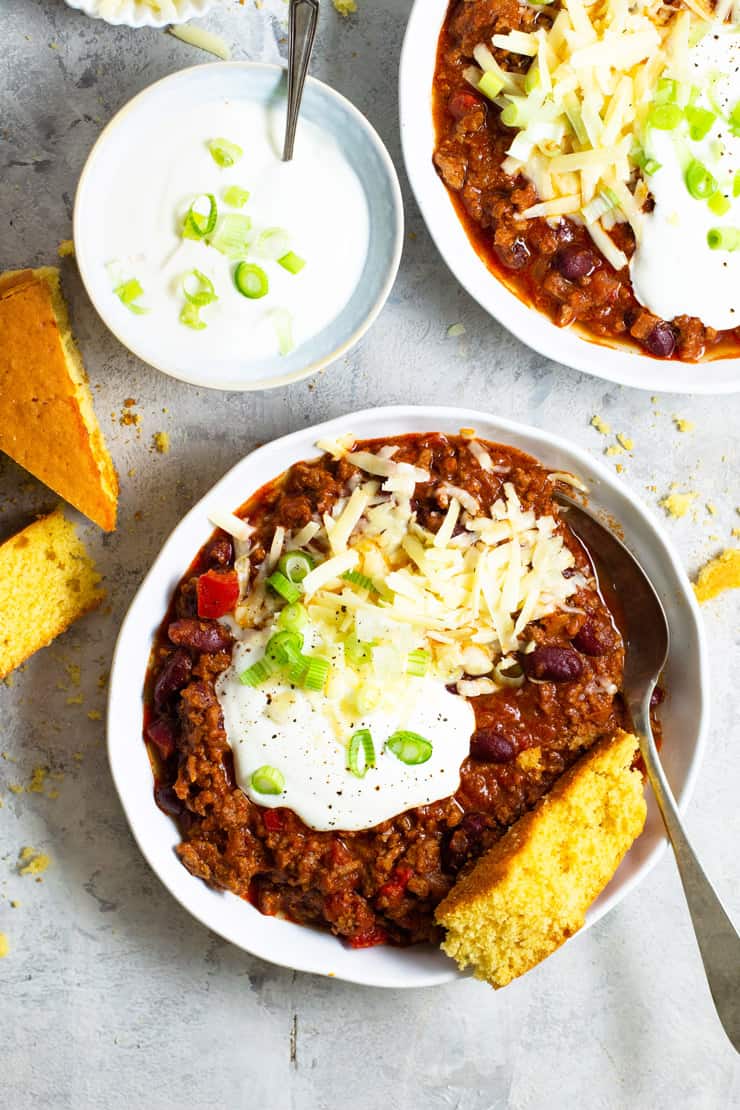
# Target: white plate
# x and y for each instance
(684, 712)
(133, 14)
(617, 364)
(264, 84)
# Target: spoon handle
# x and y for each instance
(303, 19)
(718, 940)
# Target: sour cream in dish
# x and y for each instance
(674, 272)
(317, 198)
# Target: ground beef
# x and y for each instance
(532, 258)
(381, 884)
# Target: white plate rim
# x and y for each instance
(430, 418)
(272, 382)
(564, 346)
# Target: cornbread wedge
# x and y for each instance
(47, 581)
(530, 892)
(47, 420)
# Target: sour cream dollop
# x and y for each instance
(317, 198)
(673, 270)
(301, 734)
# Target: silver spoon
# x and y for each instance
(646, 631)
(303, 18)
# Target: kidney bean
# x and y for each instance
(473, 825)
(206, 636)
(461, 103)
(161, 732)
(661, 341)
(173, 676)
(490, 746)
(221, 552)
(576, 262)
(514, 257)
(551, 663)
(168, 801)
(455, 850)
(591, 640)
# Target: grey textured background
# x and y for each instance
(111, 995)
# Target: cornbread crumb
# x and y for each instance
(15, 904)
(683, 425)
(38, 780)
(530, 892)
(161, 442)
(47, 581)
(711, 508)
(66, 249)
(4, 946)
(736, 532)
(677, 504)
(35, 863)
(615, 449)
(94, 714)
(345, 7)
(722, 573)
(601, 425)
(75, 699)
(625, 441)
(15, 788)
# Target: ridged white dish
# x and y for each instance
(136, 13)
(684, 712)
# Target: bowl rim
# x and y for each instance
(374, 139)
(561, 345)
(191, 9)
(171, 564)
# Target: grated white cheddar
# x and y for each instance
(584, 104)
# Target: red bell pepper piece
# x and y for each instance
(218, 593)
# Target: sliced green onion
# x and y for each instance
(283, 586)
(203, 293)
(357, 578)
(490, 85)
(417, 662)
(128, 292)
(317, 672)
(292, 262)
(357, 652)
(295, 565)
(297, 670)
(272, 243)
(650, 166)
(232, 236)
(409, 747)
(258, 673)
(198, 225)
(699, 180)
(251, 280)
(267, 780)
(724, 238)
(665, 117)
(666, 91)
(284, 647)
(293, 617)
(719, 204)
(362, 741)
(190, 317)
(224, 153)
(235, 196)
(736, 185)
(700, 121)
(575, 119)
(734, 120)
(283, 323)
(599, 206)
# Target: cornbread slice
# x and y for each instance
(530, 892)
(47, 420)
(47, 581)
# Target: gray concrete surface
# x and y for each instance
(110, 994)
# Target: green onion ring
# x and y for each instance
(251, 280)
(267, 780)
(409, 747)
(194, 219)
(361, 741)
(295, 565)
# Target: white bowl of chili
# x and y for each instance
(684, 713)
(605, 358)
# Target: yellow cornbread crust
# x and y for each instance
(47, 581)
(529, 893)
(47, 421)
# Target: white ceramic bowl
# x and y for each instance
(617, 364)
(132, 13)
(684, 712)
(263, 84)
